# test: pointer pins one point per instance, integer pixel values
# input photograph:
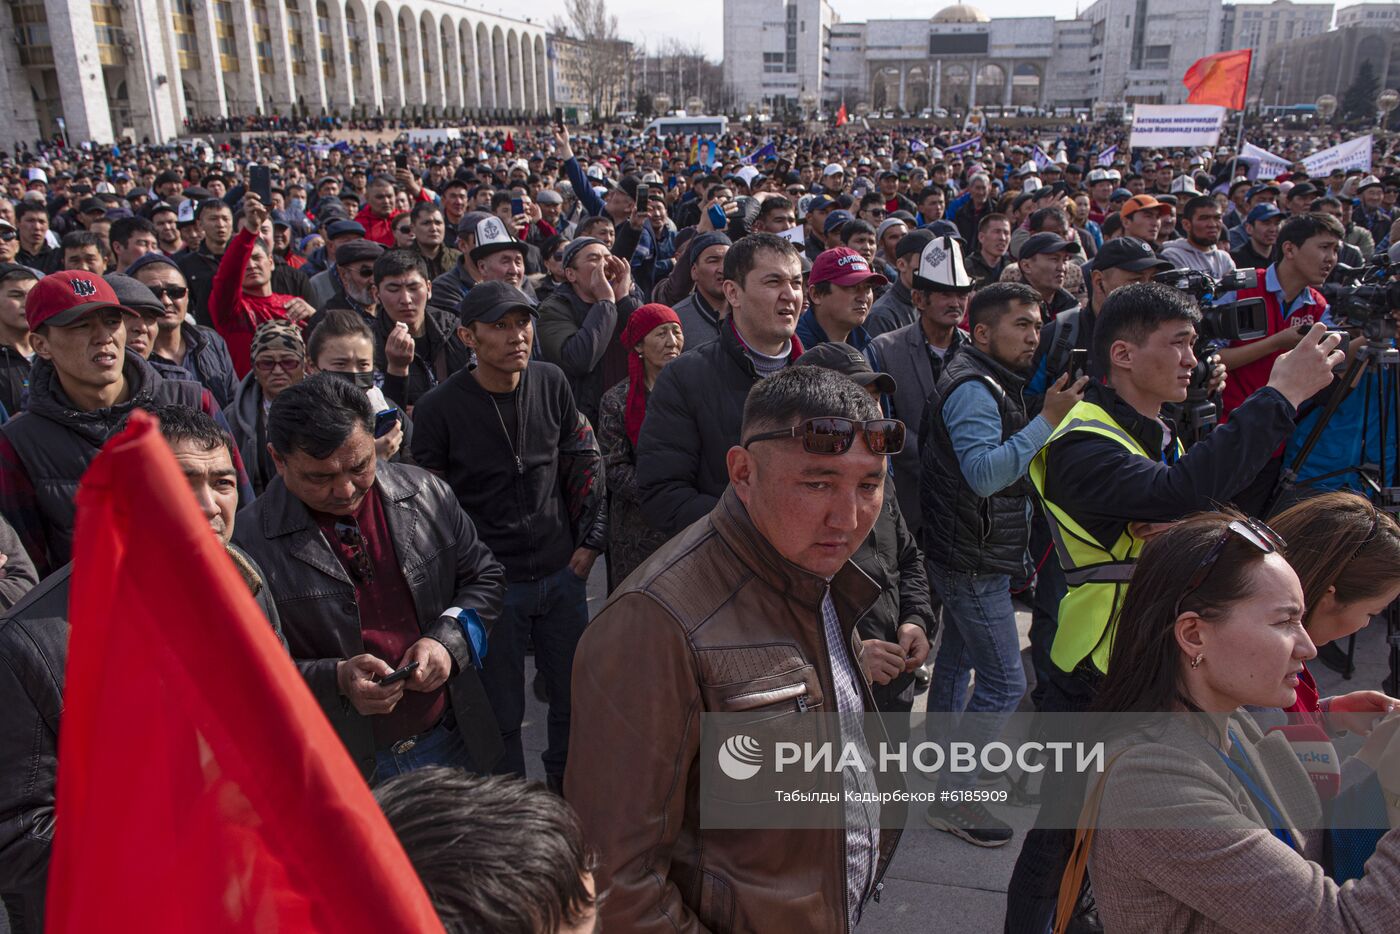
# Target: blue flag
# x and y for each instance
(758, 155)
(917, 145)
(341, 146)
(974, 143)
(1107, 156)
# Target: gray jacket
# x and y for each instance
(442, 559)
(323, 287)
(699, 322)
(891, 311)
(903, 353)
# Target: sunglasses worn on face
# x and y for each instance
(837, 435)
(288, 364)
(1251, 530)
(176, 292)
(404, 230)
(8, 235)
(348, 533)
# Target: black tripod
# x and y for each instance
(1375, 478)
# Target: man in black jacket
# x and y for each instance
(697, 406)
(16, 353)
(374, 568)
(416, 345)
(509, 440)
(580, 322)
(34, 652)
(83, 384)
(977, 443)
(214, 219)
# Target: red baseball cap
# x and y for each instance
(64, 297)
(843, 266)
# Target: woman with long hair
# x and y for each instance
(1346, 553)
(1205, 822)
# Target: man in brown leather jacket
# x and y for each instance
(751, 609)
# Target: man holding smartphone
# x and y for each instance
(374, 567)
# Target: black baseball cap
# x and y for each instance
(845, 359)
(1046, 242)
(1128, 253)
(490, 301)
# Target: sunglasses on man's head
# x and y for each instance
(1251, 530)
(832, 435)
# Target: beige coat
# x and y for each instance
(1183, 848)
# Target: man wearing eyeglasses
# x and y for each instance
(200, 350)
(751, 610)
(375, 569)
(279, 362)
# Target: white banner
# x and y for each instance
(1175, 125)
(1266, 165)
(1353, 154)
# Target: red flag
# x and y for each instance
(841, 114)
(509, 144)
(200, 787)
(1219, 79)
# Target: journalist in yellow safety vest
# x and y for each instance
(1113, 469)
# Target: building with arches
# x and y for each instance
(955, 57)
(109, 68)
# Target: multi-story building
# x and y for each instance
(1370, 15)
(1301, 71)
(776, 50)
(1116, 50)
(139, 67)
(1139, 49)
(588, 82)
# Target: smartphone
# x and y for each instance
(517, 207)
(385, 421)
(643, 193)
(260, 183)
(402, 674)
(559, 116)
(401, 160)
(718, 219)
(1078, 363)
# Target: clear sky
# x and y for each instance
(701, 21)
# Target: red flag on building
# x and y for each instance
(841, 114)
(200, 787)
(1219, 79)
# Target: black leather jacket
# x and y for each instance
(444, 563)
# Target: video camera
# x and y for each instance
(1365, 299)
(1221, 322)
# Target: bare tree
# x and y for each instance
(599, 65)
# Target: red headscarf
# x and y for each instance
(642, 322)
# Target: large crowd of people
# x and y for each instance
(824, 412)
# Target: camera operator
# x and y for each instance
(1306, 253)
(1113, 474)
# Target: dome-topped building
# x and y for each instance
(961, 13)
